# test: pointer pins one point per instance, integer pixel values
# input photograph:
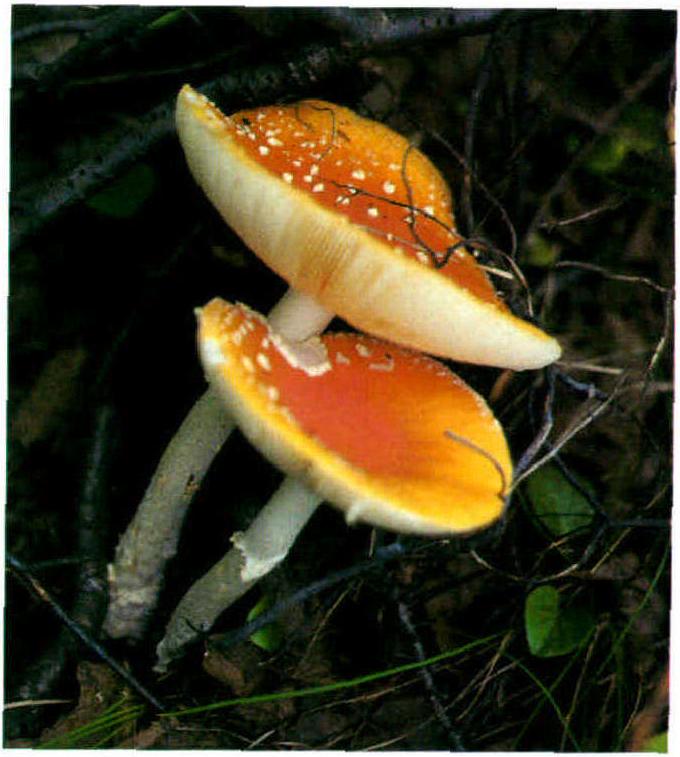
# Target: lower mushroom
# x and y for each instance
(392, 437)
(150, 541)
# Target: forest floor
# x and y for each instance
(549, 631)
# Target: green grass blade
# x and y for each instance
(338, 685)
(643, 602)
(536, 711)
(110, 720)
(548, 695)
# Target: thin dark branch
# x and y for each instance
(544, 431)
(468, 169)
(396, 27)
(293, 73)
(60, 26)
(575, 428)
(580, 217)
(440, 712)
(613, 276)
(382, 555)
(483, 78)
(115, 27)
(91, 597)
(581, 387)
(79, 632)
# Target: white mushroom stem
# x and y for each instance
(150, 541)
(255, 553)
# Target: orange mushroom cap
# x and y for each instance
(389, 435)
(349, 213)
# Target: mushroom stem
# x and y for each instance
(297, 316)
(150, 541)
(255, 553)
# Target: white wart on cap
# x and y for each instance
(347, 212)
(391, 436)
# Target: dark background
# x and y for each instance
(563, 119)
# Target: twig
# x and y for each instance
(592, 367)
(585, 216)
(293, 72)
(35, 205)
(90, 602)
(59, 26)
(396, 27)
(613, 276)
(575, 429)
(382, 555)
(662, 341)
(579, 386)
(454, 737)
(116, 26)
(79, 632)
(34, 703)
(468, 169)
(544, 431)
(483, 77)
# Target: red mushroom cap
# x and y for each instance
(391, 436)
(348, 212)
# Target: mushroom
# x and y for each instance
(389, 435)
(348, 213)
(360, 224)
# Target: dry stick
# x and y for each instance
(574, 429)
(110, 28)
(151, 539)
(382, 555)
(441, 714)
(81, 633)
(550, 226)
(46, 667)
(483, 78)
(629, 278)
(35, 205)
(398, 28)
(545, 429)
(58, 26)
(290, 72)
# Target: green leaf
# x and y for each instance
(658, 743)
(268, 637)
(166, 19)
(551, 629)
(540, 251)
(558, 505)
(123, 197)
(640, 130)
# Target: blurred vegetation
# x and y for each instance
(555, 132)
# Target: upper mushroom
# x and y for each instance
(349, 213)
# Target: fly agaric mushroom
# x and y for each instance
(360, 224)
(387, 434)
(349, 214)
